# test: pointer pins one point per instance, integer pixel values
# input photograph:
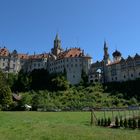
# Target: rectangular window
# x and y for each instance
(130, 64)
(138, 62)
(113, 72)
(123, 66)
(14, 65)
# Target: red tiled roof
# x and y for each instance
(74, 52)
(4, 51)
(38, 56)
(23, 56)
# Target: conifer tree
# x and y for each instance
(121, 122)
(130, 123)
(99, 122)
(105, 122)
(108, 121)
(134, 123)
(139, 123)
(102, 122)
(116, 121)
(125, 123)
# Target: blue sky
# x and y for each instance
(31, 25)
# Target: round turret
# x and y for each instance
(116, 54)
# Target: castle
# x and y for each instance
(73, 61)
(117, 70)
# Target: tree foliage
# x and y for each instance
(59, 83)
(5, 92)
(129, 89)
(54, 91)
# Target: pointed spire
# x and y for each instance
(57, 37)
(105, 44)
(106, 54)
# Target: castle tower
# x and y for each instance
(57, 42)
(57, 46)
(117, 55)
(106, 61)
(106, 54)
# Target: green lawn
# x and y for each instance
(57, 126)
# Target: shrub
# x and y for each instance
(99, 122)
(0, 107)
(130, 123)
(134, 123)
(102, 122)
(105, 122)
(121, 122)
(116, 121)
(108, 121)
(125, 123)
(139, 123)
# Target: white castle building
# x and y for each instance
(117, 70)
(73, 61)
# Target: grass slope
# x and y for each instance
(57, 126)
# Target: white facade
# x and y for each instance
(72, 61)
(118, 70)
